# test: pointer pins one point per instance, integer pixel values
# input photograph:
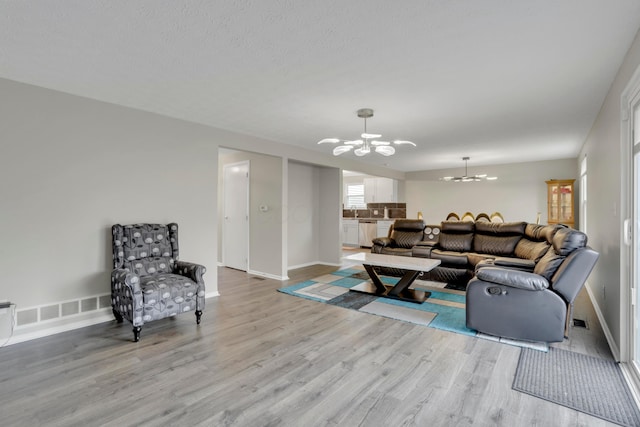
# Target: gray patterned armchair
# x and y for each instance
(148, 282)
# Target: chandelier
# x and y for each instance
(466, 177)
(369, 141)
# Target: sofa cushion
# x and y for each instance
(450, 258)
(495, 245)
(475, 259)
(457, 226)
(548, 264)
(396, 251)
(530, 250)
(456, 242)
(501, 229)
(540, 233)
(406, 239)
(566, 240)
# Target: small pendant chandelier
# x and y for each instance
(466, 177)
(369, 141)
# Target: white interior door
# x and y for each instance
(235, 230)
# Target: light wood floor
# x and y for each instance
(263, 358)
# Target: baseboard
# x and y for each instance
(615, 351)
(211, 294)
(267, 275)
(45, 329)
(308, 264)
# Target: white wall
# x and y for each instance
(607, 202)
(519, 193)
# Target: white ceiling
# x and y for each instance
(500, 81)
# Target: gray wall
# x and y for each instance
(608, 203)
(314, 211)
(71, 167)
(518, 194)
(265, 228)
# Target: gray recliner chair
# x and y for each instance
(532, 306)
(148, 282)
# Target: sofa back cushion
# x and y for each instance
(145, 248)
(565, 241)
(456, 236)
(407, 232)
(498, 238)
(527, 249)
(540, 233)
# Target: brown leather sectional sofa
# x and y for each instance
(520, 279)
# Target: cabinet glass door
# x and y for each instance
(565, 203)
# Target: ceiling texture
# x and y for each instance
(500, 81)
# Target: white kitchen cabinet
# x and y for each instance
(350, 232)
(383, 228)
(380, 190)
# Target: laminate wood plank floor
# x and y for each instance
(263, 358)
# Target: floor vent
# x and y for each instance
(579, 323)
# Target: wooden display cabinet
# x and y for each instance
(560, 202)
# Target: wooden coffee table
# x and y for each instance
(413, 268)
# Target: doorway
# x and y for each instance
(235, 227)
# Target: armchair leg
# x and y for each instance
(117, 315)
(198, 316)
(136, 333)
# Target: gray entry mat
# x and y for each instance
(587, 384)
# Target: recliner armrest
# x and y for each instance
(426, 243)
(513, 278)
(190, 270)
(126, 278)
(383, 241)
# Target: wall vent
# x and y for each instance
(50, 312)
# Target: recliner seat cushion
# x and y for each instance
(167, 295)
(449, 258)
(396, 251)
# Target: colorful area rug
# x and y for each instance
(445, 308)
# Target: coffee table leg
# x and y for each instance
(404, 283)
(380, 287)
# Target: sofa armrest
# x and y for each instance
(513, 278)
(426, 243)
(518, 263)
(383, 241)
(192, 271)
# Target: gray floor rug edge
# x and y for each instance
(577, 381)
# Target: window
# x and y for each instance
(355, 197)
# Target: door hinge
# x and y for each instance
(633, 296)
